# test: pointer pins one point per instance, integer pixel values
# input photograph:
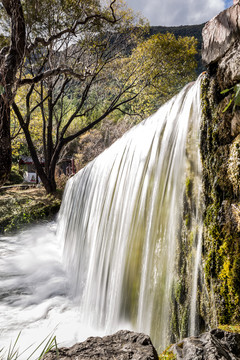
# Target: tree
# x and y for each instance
(81, 66)
(167, 64)
(75, 77)
(114, 78)
(46, 28)
(11, 58)
(18, 140)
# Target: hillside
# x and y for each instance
(184, 30)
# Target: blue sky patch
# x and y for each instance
(228, 3)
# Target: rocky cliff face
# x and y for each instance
(218, 294)
(220, 150)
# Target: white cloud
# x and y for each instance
(177, 12)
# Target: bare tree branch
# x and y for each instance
(51, 73)
(73, 28)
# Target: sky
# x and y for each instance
(178, 12)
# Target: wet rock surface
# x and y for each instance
(214, 345)
(122, 345)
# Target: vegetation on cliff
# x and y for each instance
(221, 251)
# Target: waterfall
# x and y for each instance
(111, 261)
(120, 219)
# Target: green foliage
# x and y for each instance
(99, 64)
(18, 208)
(186, 30)
(15, 176)
(35, 126)
(235, 99)
(166, 63)
(69, 81)
(167, 355)
(47, 17)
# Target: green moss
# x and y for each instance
(31, 214)
(18, 208)
(222, 264)
(189, 186)
(187, 220)
(167, 355)
(234, 328)
(191, 238)
(221, 248)
(178, 291)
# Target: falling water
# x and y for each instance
(117, 231)
(120, 219)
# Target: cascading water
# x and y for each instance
(118, 225)
(120, 218)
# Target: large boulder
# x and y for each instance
(221, 48)
(214, 345)
(122, 345)
(220, 33)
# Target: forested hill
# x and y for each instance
(184, 30)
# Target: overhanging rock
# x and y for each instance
(220, 33)
(221, 46)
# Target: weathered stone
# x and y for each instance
(214, 345)
(220, 33)
(234, 165)
(235, 124)
(120, 346)
(228, 67)
(229, 216)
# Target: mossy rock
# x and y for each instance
(22, 207)
(167, 355)
(221, 175)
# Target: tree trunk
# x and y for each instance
(9, 67)
(5, 143)
(46, 178)
(52, 182)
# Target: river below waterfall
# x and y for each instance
(35, 293)
(110, 262)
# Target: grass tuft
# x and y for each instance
(13, 352)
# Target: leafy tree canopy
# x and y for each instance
(85, 60)
(167, 64)
(71, 47)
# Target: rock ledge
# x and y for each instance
(122, 345)
(214, 345)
